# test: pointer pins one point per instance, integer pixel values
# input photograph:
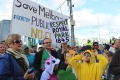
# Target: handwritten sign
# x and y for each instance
(60, 31)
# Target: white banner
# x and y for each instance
(60, 31)
(31, 19)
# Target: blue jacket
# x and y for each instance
(31, 60)
(9, 68)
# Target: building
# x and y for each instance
(4, 29)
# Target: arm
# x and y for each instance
(74, 61)
(102, 61)
(114, 67)
(5, 71)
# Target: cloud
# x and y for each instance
(6, 9)
(87, 24)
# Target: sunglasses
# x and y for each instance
(47, 43)
(87, 55)
(17, 41)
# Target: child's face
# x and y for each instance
(109, 58)
(56, 67)
(55, 71)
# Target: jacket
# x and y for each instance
(38, 57)
(9, 68)
(114, 67)
(91, 71)
(108, 76)
(30, 58)
(89, 44)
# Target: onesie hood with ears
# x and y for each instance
(92, 58)
(50, 63)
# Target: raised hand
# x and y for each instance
(95, 52)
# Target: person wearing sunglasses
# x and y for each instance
(88, 69)
(96, 46)
(42, 55)
(13, 65)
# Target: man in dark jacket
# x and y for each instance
(114, 67)
(62, 56)
(41, 56)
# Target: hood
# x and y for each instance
(23, 47)
(92, 58)
(50, 63)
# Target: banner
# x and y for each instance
(31, 19)
(60, 31)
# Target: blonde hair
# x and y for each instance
(10, 39)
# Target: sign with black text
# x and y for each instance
(31, 19)
(60, 31)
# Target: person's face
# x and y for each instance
(30, 50)
(87, 57)
(75, 49)
(47, 43)
(33, 48)
(55, 70)
(95, 46)
(26, 50)
(64, 45)
(16, 44)
(109, 58)
(117, 43)
(56, 67)
(2, 48)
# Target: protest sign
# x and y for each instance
(31, 19)
(60, 31)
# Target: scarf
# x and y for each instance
(44, 57)
(19, 58)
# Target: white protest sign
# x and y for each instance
(31, 19)
(60, 31)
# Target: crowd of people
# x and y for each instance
(91, 62)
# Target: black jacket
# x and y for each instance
(38, 57)
(62, 65)
(114, 67)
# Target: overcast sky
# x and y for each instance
(87, 13)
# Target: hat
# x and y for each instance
(24, 47)
(50, 63)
